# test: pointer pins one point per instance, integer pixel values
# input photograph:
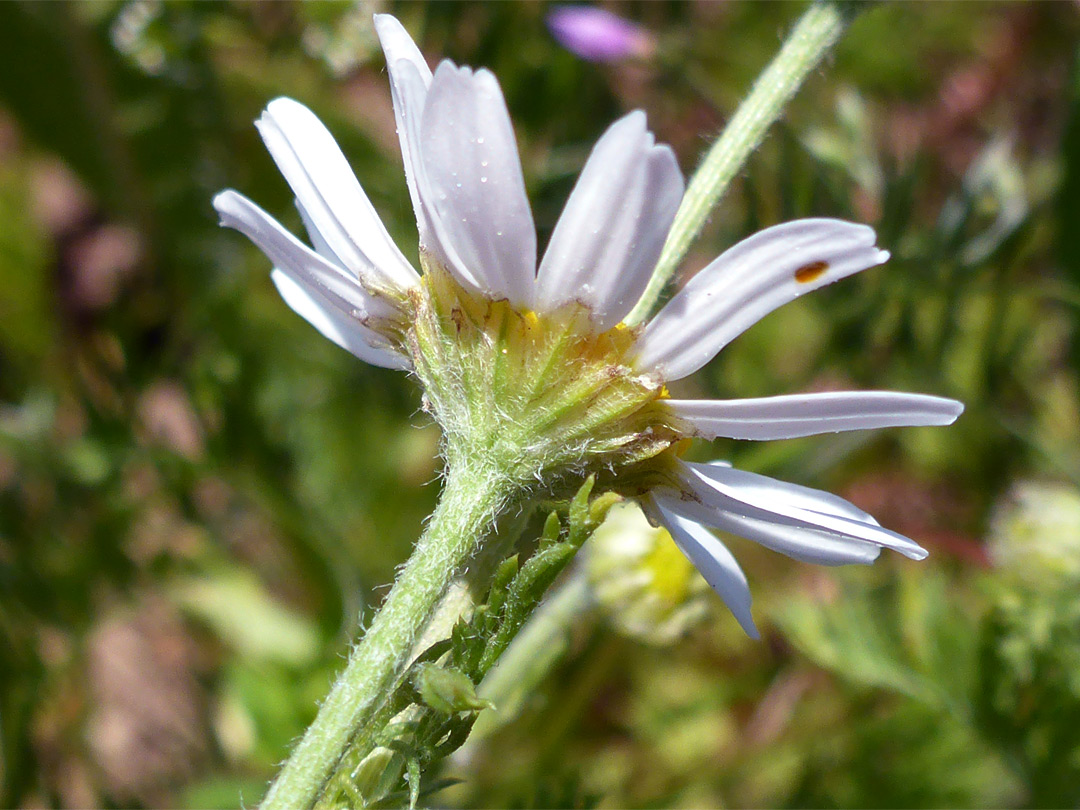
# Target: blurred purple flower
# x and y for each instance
(598, 35)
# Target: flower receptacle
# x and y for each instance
(544, 397)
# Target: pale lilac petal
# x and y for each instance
(746, 283)
(410, 78)
(610, 234)
(286, 251)
(331, 287)
(322, 247)
(473, 184)
(817, 500)
(598, 35)
(289, 253)
(796, 541)
(799, 543)
(398, 45)
(787, 417)
(326, 187)
(346, 332)
(361, 301)
(715, 563)
(758, 498)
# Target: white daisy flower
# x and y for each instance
(534, 365)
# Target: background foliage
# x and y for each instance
(201, 499)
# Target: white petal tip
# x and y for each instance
(282, 104)
(224, 203)
(746, 622)
(918, 554)
(279, 112)
(941, 411)
(955, 408)
(382, 22)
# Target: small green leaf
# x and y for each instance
(447, 690)
(552, 528)
(376, 775)
(414, 782)
(579, 511)
(600, 507)
(501, 584)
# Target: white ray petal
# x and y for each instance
(346, 332)
(817, 500)
(410, 78)
(474, 187)
(787, 417)
(359, 298)
(606, 243)
(715, 563)
(331, 287)
(764, 499)
(798, 542)
(322, 247)
(434, 243)
(801, 543)
(746, 283)
(289, 253)
(397, 44)
(362, 301)
(320, 176)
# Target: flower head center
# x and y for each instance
(544, 391)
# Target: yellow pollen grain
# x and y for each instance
(664, 393)
(681, 446)
(811, 272)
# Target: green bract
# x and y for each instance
(542, 397)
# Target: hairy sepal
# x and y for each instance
(544, 397)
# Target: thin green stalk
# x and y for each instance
(464, 516)
(813, 37)
(532, 655)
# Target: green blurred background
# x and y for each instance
(201, 499)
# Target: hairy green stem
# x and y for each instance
(814, 35)
(464, 517)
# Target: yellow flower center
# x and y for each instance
(545, 392)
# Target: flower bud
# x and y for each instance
(1035, 534)
(377, 774)
(598, 35)
(447, 690)
(641, 581)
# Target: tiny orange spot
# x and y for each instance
(811, 272)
